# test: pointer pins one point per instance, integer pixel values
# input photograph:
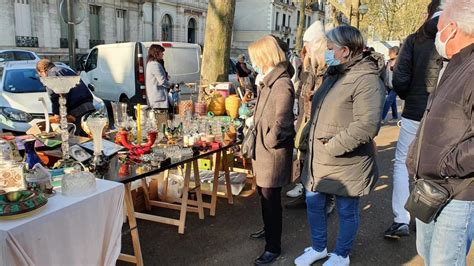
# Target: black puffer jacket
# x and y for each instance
(416, 71)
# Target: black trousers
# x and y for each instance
(272, 217)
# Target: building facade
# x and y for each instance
(254, 19)
(37, 25)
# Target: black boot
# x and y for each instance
(267, 257)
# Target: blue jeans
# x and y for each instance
(348, 211)
(447, 240)
(390, 101)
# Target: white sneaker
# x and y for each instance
(296, 191)
(310, 256)
(335, 260)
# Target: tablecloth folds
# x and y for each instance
(68, 231)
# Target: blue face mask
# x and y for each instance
(257, 69)
(330, 59)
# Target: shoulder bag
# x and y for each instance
(248, 143)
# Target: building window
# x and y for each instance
(120, 25)
(192, 30)
(167, 28)
(22, 18)
(94, 23)
(276, 20)
(289, 21)
(298, 18)
(309, 21)
(283, 23)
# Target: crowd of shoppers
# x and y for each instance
(340, 99)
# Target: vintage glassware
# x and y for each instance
(62, 86)
(120, 114)
(96, 125)
(12, 176)
(78, 184)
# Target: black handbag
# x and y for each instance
(250, 138)
(429, 197)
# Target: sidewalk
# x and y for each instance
(224, 239)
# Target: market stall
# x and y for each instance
(65, 176)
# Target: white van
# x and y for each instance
(117, 71)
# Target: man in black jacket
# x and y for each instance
(414, 77)
(447, 141)
(79, 101)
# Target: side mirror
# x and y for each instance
(91, 87)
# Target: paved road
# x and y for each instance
(223, 240)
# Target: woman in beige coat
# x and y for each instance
(273, 120)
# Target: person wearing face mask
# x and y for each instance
(414, 77)
(446, 141)
(345, 118)
(273, 121)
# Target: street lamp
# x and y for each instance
(363, 9)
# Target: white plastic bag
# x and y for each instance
(175, 188)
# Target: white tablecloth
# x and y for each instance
(67, 231)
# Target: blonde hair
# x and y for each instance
(266, 53)
(44, 65)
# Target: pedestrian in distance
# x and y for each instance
(414, 77)
(391, 100)
(445, 142)
(273, 120)
(345, 118)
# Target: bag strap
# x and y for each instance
(261, 113)
(418, 145)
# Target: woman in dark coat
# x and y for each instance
(273, 120)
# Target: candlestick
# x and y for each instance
(139, 126)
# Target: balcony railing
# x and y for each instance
(26, 41)
(93, 43)
(64, 43)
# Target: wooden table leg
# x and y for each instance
(166, 175)
(197, 183)
(146, 194)
(132, 223)
(215, 184)
(184, 201)
(225, 168)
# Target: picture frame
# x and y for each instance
(79, 154)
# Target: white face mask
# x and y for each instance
(441, 46)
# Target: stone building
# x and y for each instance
(37, 25)
(253, 19)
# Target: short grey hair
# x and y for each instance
(461, 12)
(347, 36)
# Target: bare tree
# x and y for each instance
(300, 28)
(217, 41)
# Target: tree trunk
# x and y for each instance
(354, 7)
(217, 41)
(300, 29)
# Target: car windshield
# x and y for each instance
(22, 81)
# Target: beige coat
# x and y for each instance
(275, 129)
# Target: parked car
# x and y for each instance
(117, 71)
(17, 55)
(20, 90)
